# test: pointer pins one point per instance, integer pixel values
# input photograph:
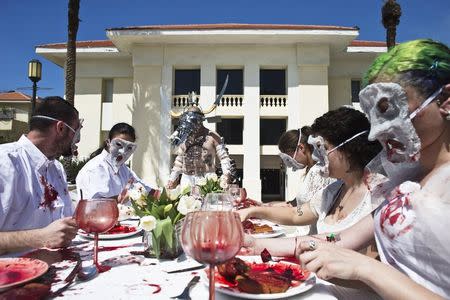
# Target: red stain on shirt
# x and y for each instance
(50, 194)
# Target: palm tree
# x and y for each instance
(71, 58)
(391, 13)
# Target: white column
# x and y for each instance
(293, 122)
(251, 143)
(165, 125)
(208, 90)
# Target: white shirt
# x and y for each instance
(329, 195)
(411, 231)
(97, 178)
(25, 174)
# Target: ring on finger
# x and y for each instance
(312, 245)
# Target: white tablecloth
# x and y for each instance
(132, 280)
(131, 277)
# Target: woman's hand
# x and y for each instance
(328, 260)
(245, 213)
(248, 247)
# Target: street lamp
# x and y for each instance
(34, 73)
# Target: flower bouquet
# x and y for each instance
(211, 184)
(161, 217)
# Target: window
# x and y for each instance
(107, 90)
(231, 130)
(272, 82)
(187, 81)
(235, 82)
(356, 88)
(271, 130)
(271, 183)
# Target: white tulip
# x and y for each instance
(134, 194)
(212, 176)
(201, 181)
(148, 223)
(173, 194)
(188, 204)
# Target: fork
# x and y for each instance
(185, 294)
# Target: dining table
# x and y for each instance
(132, 275)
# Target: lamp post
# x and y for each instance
(34, 73)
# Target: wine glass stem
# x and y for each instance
(96, 249)
(212, 279)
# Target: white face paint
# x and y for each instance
(291, 162)
(386, 105)
(320, 154)
(120, 151)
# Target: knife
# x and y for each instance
(186, 269)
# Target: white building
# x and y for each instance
(281, 77)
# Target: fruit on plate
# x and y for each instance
(263, 282)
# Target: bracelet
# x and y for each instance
(333, 237)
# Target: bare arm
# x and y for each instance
(58, 234)
(302, 215)
(389, 283)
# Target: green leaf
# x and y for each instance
(167, 231)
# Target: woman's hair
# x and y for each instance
(340, 124)
(289, 140)
(421, 64)
(118, 129)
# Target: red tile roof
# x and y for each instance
(234, 26)
(14, 96)
(80, 44)
(359, 43)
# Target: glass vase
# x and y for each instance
(165, 251)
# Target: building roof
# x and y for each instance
(109, 43)
(13, 96)
(234, 26)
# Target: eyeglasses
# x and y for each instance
(56, 120)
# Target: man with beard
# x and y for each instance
(35, 207)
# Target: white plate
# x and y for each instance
(277, 230)
(111, 236)
(292, 291)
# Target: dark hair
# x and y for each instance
(54, 107)
(340, 124)
(118, 129)
(289, 140)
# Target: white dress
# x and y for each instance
(311, 190)
(97, 178)
(329, 195)
(411, 231)
(33, 189)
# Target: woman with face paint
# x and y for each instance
(296, 154)
(106, 175)
(408, 102)
(343, 134)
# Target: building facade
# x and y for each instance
(280, 77)
(15, 108)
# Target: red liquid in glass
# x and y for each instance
(96, 216)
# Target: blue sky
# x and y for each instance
(26, 23)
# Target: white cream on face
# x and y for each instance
(320, 154)
(386, 105)
(120, 151)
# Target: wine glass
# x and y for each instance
(218, 202)
(212, 237)
(96, 216)
(237, 194)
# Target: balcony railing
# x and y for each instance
(269, 101)
(182, 100)
(232, 100)
(273, 100)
